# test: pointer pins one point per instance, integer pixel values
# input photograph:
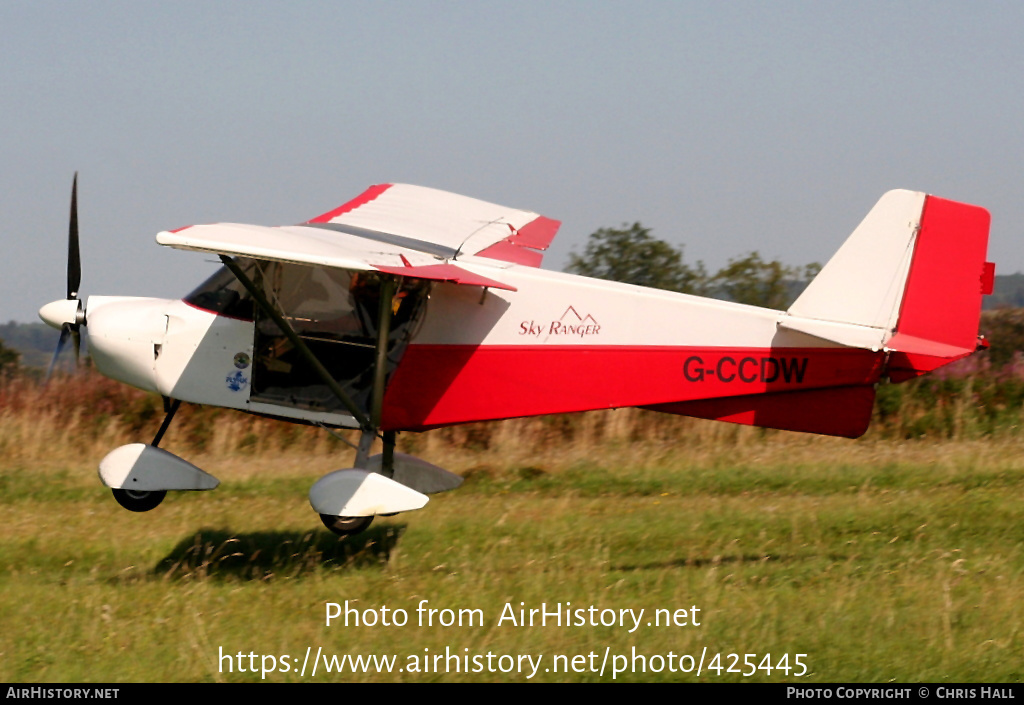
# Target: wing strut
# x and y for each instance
(388, 289)
(367, 426)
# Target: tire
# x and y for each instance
(136, 501)
(346, 526)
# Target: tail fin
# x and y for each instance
(908, 280)
(941, 307)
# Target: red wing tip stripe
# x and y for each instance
(508, 251)
(446, 273)
(362, 199)
(178, 230)
(524, 246)
(537, 234)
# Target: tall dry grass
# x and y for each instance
(86, 415)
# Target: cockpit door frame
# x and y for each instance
(369, 426)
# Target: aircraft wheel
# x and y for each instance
(346, 526)
(139, 501)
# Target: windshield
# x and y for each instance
(223, 294)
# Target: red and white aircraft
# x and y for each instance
(409, 308)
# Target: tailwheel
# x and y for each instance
(139, 500)
(346, 526)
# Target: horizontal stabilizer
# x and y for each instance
(841, 333)
(910, 356)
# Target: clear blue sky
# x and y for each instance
(725, 127)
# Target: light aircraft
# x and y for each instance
(409, 308)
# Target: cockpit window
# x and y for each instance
(336, 313)
(223, 294)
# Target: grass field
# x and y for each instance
(881, 559)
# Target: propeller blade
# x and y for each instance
(65, 331)
(58, 312)
(76, 338)
(74, 258)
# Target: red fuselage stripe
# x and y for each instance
(438, 385)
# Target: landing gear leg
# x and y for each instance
(145, 500)
(170, 409)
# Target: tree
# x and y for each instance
(751, 280)
(631, 255)
(8, 360)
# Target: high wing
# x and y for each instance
(396, 228)
(462, 225)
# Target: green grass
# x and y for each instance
(879, 560)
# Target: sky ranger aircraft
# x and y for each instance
(408, 309)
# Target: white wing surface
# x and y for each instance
(461, 224)
(396, 228)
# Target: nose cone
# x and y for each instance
(124, 337)
(62, 311)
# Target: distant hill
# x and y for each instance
(1008, 292)
(35, 341)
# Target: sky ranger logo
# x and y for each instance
(571, 324)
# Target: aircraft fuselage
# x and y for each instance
(559, 343)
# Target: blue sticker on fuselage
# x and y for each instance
(237, 381)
